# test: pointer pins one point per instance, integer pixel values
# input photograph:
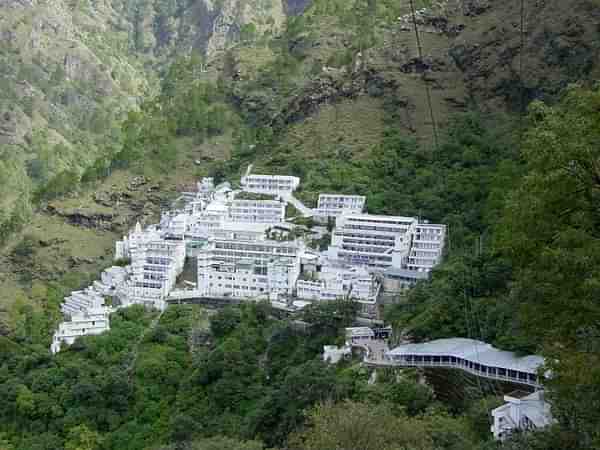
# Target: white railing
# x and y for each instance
(185, 294)
(456, 365)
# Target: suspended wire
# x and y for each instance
(427, 90)
(522, 85)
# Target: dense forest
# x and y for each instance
(518, 189)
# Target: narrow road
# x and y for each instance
(305, 211)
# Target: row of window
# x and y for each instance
(385, 222)
(254, 280)
(429, 230)
(422, 261)
(464, 363)
(148, 285)
(158, 260)
(224, 255)
(364, 258)
(365, 249)
(242, 288)
(256, 205)
(154, 276)
(255, 248)
(380, 237)
(425, 254)
(375, 228)
(428, 237)
(364, 242)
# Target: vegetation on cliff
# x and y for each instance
(337, 96)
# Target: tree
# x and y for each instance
(551, 232)
(82, 438)
(350, 426)
(220, 443)
(225, 321)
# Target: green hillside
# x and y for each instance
(107, 110)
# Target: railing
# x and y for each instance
(187, 294)
(387, 362)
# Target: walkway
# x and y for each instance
(471, 356)
(302, 209)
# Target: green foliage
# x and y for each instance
(59, 185)
(25, 248)
(550, 232)
(122, 262)
(349, 425)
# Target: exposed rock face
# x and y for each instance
(14, 125)
(231, 16)
(561, 46)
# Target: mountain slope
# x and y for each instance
(306, 87)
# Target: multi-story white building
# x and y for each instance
(247, 269)
(174, 224)
(135, 239)
(231, 279)
(81, 301)
(522, 411)
(92, 321)
(155, 267)
(387, 242)
(85, 314)
(270, 184)
(376, 241)
(335, 281)
(427, 247)
(263, 251)
(246, 279)
(206, 188)
(257, 211)
(334, 205)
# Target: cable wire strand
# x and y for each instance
(427, 90)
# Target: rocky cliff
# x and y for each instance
(70, 69)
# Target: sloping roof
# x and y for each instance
(472, 350)
(405, 273)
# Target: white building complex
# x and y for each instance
(522, 411)
(155, 267)
(387, 241)
(85, 311)
(257, 211)
(92, 321)
(270, 184)
(334, 205)
(238, 240)
(426, 247)
(339, 281)
(248, 268)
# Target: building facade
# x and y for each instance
(155, 267)
(387, 242)
(270, 184)
(92, 321)
(427, 247)
(257, 211)
(522, 411)
(334, 205)
(371, 240)
(336, 281)
(248, 269)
